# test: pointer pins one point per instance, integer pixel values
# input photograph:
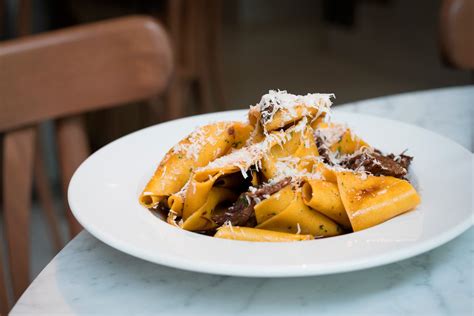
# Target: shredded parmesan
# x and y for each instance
(299, 228)
(331, 134)
(274, 101)
(194, 145)
(229, 224)
(244, 157)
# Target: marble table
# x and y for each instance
(89, 277)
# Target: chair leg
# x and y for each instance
(201, 36)
(24, 17)
(205, 94)
(2, 17)
(214, 31)
(46, 197)
(4, 304)
(174, 21)
(73, 149)
(18, 173)
(175, 98)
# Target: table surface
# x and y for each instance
(89, 277)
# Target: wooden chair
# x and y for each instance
(194, 27)
(4, 304)
(60, 75)
(457, 33)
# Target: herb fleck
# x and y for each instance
(236, 144)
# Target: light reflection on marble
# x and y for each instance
(88, 277)
(448, 111)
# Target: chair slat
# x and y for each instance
(81, 69)
(4, 303)
(17, 179)
(73, 148)
(457, 33)
(45, 196)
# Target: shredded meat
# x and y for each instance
(242, 212)
(265, 113)
(402, 159)
(160, 207)
(267, 110)
(269, 189)
(378, 164)
(323, 150)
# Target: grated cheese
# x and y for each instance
(331, 134)
(274, 101)
(244, 157)
(299, 229)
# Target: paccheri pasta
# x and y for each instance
(287, 174)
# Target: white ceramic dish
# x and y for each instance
(103, 195)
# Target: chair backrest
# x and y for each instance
(81, 69)
(59, 75)
(457, 33)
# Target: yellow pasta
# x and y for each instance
(297, 217)
(197, 193)
(325, 172)
(323, 196)
(373, 200)
(274, 205)
(348, 143)
(253, 234)
(340, 138)
(176, 203)
(299, 150)
(201, 219)
(284, 117)
(316, 122)
(266, 179)
(198, 149)
(204, 178)
(255, 179)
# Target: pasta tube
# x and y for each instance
(339, 138)
(238, 161)
(279, 109)
(198, 149)
(325, 172)
(324, 197)
(201, 219)
(298, 152)
(297, 217)
(349, 143)
(317, 121)
(253, 234)
(374, 200)
(274, 205)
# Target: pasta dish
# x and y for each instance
(288, 173)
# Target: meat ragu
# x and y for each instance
(242, 211)
(377, 164)
(323, 151)
(371, 161)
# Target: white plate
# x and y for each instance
(103, 195)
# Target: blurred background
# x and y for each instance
(230, 52)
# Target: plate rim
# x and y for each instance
(309, 269)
